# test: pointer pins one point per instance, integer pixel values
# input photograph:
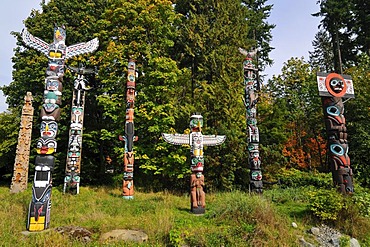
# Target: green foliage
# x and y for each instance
(357, 115)
(327, 204)
(231, 219)
(9, 129)
(295, 178)
(344, 241)
(362, 200)
(291, 118)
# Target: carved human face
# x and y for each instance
(196, 122)
(337, 85)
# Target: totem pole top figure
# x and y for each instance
(196, 124)
(58, 49)
(335, 85)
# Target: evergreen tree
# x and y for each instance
(187, 58)
(211, 33)
(258, 11)
(361, 25)
(322, 57)
(294, 121)
(357, 113)
(336, 15)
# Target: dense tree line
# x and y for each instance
(188, 61)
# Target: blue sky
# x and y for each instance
(292, 37)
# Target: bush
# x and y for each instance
(362, 200)
(326, 204)
(296, 178)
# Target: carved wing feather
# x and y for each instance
(34, 42)
(81, 48)
(177, 139)
(213, 140)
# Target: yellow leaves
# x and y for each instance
(143, 156)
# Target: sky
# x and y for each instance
(292, 37)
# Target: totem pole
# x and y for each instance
(20, 174)
(73, 162)
(57, 52)
(129, 138)
(251, 85)
(332, 88)
(196, 140)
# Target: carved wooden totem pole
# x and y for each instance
(20, 174)
(129, 137)
(332, 88)
(73, 162)
(251, 85)
(196, 140)
(57, 52)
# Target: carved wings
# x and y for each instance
(73, 50)
(248, 53)
(177, 139)
(81, 48)
(34, 42)
(213, 140)
(182, 139)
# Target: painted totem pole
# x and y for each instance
(251, 85)
(57, 52)
(332, 88)
(20, 174)
(73, 162)
(129, 137)
(196, 140)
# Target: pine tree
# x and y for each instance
(322, 57)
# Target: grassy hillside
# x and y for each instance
(231, 219)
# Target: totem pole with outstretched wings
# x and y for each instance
(57, 52)
(196, 140)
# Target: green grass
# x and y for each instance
(231, 219)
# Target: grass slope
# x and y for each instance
(231, 219)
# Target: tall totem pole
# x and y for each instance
(332, 88)
(20, 174)
(196, 140)
(129, 137)
(57, 52)
(73, 162)
(251, 85)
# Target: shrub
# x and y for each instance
(326, 204)
(362, 200)
(296, 178)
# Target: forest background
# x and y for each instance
(188, 61)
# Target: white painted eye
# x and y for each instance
(337, 149)
(333, 110)
(51, 145)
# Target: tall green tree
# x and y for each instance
(258, 11)
(357, 113)
(348, 26)
(80, 19)
(211, 33)
(294, 120)
(145, 31)
(361, 25)
(336, 15)
(322, 56)
(187, 59)
(9, 129)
